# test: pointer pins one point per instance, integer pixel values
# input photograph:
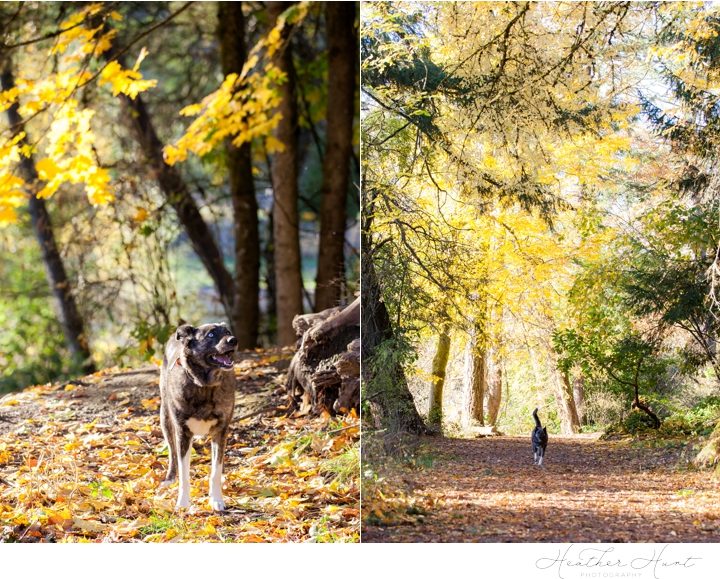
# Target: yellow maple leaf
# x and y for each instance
(58, 516)
(104, 43)
(124, 81)
(273, 145)
(47, 169)
(5, 455)
(191, 110)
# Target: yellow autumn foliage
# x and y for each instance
(243, 108)
(64, 152)
(459, 239)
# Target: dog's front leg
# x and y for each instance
(218, 452)
(171, 440)
(184, 447)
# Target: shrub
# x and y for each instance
(698, 420)
(638, 422)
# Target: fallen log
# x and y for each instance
(324, 374)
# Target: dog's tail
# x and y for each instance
(537, 420)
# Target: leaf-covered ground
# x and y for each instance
(487, 490)
(82, 461)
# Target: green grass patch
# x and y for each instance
(159, 524)
(345, 466)
(320, 532)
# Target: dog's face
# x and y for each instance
(210, 345)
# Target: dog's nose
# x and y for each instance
(232, 341)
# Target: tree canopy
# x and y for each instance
(539, 199)
(140, 150)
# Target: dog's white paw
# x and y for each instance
(182, 503)
(216, 503)
(165, 484)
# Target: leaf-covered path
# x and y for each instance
(82, 461)
(588, 491)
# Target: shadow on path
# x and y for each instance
(588, 491)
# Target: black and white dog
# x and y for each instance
(539, 440)
(197, 393)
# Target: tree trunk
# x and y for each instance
(60, 286)
(493, 396)
(640, 405)
(178, 195)
(245, 314)
(579, 397)
(566, 403)
(494, 331)
(474, 378)
(271, 301)
(385, 389)
(439, 365)
(342, 56)
(288, 276)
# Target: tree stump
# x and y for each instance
(324, 374)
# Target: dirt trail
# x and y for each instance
(488, 490)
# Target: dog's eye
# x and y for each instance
(211, 335)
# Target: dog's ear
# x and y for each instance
(545, 429)
(184, 333)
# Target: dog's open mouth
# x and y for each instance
(222, 360)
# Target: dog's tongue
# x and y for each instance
(223, 359)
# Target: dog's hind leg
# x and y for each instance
(218, 453)
(169, 434)
(183, 443)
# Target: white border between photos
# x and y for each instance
(369, 560)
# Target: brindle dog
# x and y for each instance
(197, 392)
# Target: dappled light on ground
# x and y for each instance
(588, 491)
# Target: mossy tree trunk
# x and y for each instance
(566, 403)
(474, 378)
(493, 397)
(384, 387)
(437, 386)
(578, 383)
